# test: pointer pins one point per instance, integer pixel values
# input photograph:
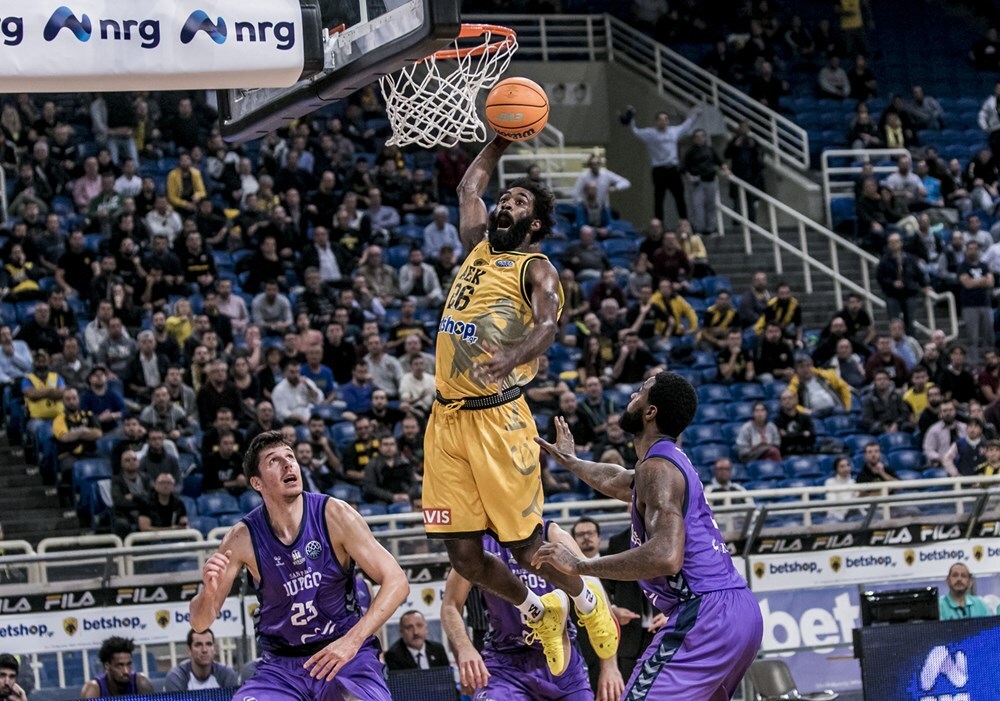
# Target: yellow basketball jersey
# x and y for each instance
(489, 301)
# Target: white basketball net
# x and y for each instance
(433, 102)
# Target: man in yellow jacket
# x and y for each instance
(820, 392)
(185, 188)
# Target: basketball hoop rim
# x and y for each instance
(471, 30)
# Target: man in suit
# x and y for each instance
(637, 618)
(413, 650)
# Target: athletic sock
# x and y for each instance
(585, 601)
(532, 606)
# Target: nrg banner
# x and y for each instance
(114, 45)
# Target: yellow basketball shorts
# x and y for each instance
(481, 473)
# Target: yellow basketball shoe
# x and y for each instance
(550, 630)
(602, 627)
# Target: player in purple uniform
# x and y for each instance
(678, 555)
(300, 549)
(512, 666)
(117, 679)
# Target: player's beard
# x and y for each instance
(631, 422)
(511, 238)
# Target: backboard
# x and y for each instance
(365, 39)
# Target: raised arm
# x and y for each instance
(613, 480)
(472, 210)
(218, 575)
(351, 536)
(661, 489)
(472, 670)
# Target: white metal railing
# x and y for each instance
(606, 38)
(838, 247)
(838, 181)
(559, 170)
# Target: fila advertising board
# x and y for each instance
(105, 45)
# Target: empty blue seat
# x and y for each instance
(203, 524)
(90, 469)
(250, 500)
(891, 442)
(106, 445)
(711, 413)
(936, 473)
(372, 509)
(906, 475)
(192, 485)
(343, 434)
(747, 391)
(346, 492)
(700, 434)
(190, 506)
(400, 507)
(840, 424)
(765, 470)
(218, 503)
(731, 430)
(228, 520)
(773, 390)
(804, 467)
(713, 283)
(705, 359)
(614, 247)
(692, 376)
(741, 411)
(707, 454)
(714, 394)
(906, 460)
(795, 483)
(856, 443)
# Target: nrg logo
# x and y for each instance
(199, 21)
(146, 32)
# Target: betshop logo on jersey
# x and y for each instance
(67, 24)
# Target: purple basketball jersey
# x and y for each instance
(707, 564)
(306, 598)
(507, 629)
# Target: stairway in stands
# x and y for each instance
(728, 256)
(26, 511)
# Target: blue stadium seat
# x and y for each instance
(856, 443)
(701, 434)
(346, 492)
(614, 247)
(773, 390)
(906, 475)
(819, 427)
(90, 469)
(186, 463)
(218, 503)
(372, 509)
(250, 500)
(705, 359)
(840, 425)
(906, 460)
(713, 283)
(228, 520)
(936, 473)
(190, 506)
(714, 394)
(765, 470)
(795, 483)
(711, 413)
(106, 446)
(692, 376)
(203, 524)
(740, 473)
(707, 454)
(891, 442)
(741, 411)
(343, 434)
(402, 507)
(192, 485)
(747, 391)
(804, 467)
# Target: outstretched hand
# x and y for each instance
(563, 451)
(557, 555)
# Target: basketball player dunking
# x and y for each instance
(300, 549)
(678, 555)
(481, 469)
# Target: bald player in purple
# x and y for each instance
(678, 555)
(512, 666)
(300, 549)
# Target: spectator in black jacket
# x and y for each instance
(389, 477)
(702, 165)
(798, 436)
(883, 409)
(146, 370)
(902, 282)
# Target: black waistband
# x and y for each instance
(486, 402)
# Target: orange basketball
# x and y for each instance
(517, 108)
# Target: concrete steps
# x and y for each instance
(26, 510)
